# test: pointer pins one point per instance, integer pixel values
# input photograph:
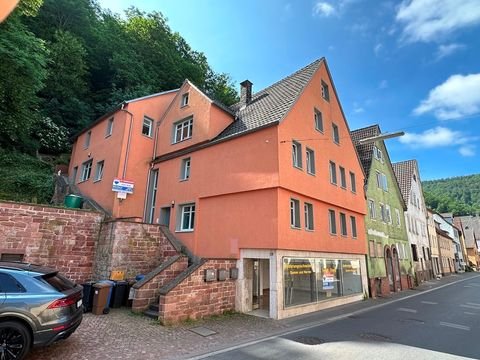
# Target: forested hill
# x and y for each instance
(66, 62)
(460, 195)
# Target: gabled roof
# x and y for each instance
(404, 171)
(271, 104)
(365, 151)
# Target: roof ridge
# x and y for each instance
(365, 128)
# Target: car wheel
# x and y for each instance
(15, 340)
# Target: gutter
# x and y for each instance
(128, 140)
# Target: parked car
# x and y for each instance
(38, 306)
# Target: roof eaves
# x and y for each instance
(151, 96)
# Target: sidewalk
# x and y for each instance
(121, 335)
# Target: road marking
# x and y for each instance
(429, 302)
(455, 326)
(470, 307)
(474, 304)
(469, 313)
(312, 325)
(467, 286)
(476, 285)
(407, 310)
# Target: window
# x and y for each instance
(333, 173)
(11, 257)
(310, 161)
(109, 129)
(371, 248)
(295, 213)
(382, 181)
(74, 175)
(185, 170)
(414, 252)
(332, 222)
(388, 214)
(343, 224)
(183, 130)
(371, 209)
(86, 170)
(88, 136)
(383, 213)
(379, 249)
(325, 93)
(335, 134)
(187, 217)
(147, 127)
(297, 154)
(353, 224)
(8, 284)
(343, 179)
(318, 120)
(353, 182)
(185, 99)
(99, 170)
(308, 216)
(377, 153)
(397, 213)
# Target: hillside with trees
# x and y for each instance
(67, 62)
(460, 195)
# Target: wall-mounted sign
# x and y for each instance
(120, 185)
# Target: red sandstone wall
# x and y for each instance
(63, 239)
(194, 298)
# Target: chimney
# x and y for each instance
(245, 92)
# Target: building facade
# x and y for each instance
(434, 246)
(389, 261)
(470, 227)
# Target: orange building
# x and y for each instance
(273, 181)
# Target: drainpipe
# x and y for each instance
(128, 141)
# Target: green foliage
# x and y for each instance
(25, 178)
(460, 195)
(52, 137)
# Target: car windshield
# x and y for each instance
(57, 281)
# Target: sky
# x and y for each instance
(411, 65)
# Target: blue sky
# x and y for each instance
(406, 65)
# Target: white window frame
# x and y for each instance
(86, 170)
(333, 172)
(296, 154)
(318, 118)
(309, 220)
(343, 177)
(187, 209)
(353, 182)
(185, 169)
(335, 134)
(295, 213)
(388, 213)
(372, 209)
(182, 130)
(343, 224)
(310, 160)
(99, 167)
(185, 98)
(109, 129)
(325, 91)
(397, 213)
(147, 124)
(383, 213)
(332, 222)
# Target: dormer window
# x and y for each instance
(183, 130)
(185, 99)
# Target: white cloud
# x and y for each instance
(457, 97)
(323, 9)
(447, 50)
(436, 137)
(467, 150)
(433, 20)
(377, 48)
(383, 84)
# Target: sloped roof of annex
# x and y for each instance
(404, 171)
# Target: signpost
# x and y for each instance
(122, 187)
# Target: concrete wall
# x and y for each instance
(63, 239)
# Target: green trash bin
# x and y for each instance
(73, 201)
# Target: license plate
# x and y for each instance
(79, 303)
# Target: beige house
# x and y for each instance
(434, 246)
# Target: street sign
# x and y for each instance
(120, 185)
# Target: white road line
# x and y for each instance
(470, 307)
(469, 313)
(429, 302)
(474, 304)
(467, 286)
(455, 326)
(407, 310)
(476, 285)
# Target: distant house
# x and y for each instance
(447, 244)
(470, 227)
(408, 177)
(434, 244)
(388, 259)
(273, 182)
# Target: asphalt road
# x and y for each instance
(440, 324)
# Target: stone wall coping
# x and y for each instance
(49, 206)
(164, 290)
(157, 271)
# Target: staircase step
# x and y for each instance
(151, 314)
(154, 307)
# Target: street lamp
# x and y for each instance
(380, 137)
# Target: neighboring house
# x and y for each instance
(448, 245)
(118, 145)
(388, 260)
(273, 182)
(459, 243)
(434, 245)
(470, 227)
(408, 177)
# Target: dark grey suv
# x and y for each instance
(37, 307)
